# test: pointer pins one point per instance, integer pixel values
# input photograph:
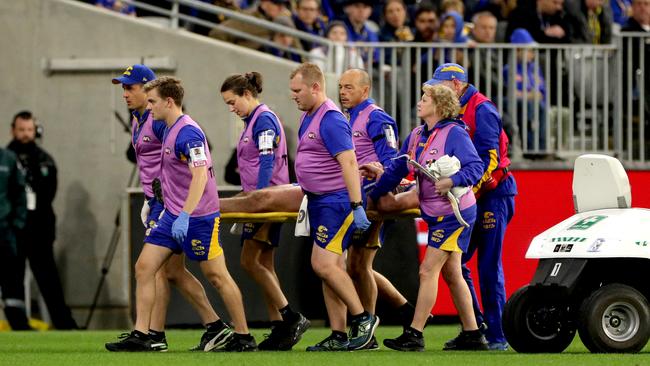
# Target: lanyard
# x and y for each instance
(426, 146)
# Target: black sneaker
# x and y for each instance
(131, 342)
(239, 343)
(293, 332)
(467, 341)
(372, 346)
(159, 345)
(408, 342)
(330, 344)
(361, 332)
(272, 340)
(214, 340)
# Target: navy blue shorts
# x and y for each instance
(267, 232)
(202, 241)
(331, 224)
(446, 233)
(155, 211)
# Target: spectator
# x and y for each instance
(117, 6)
(337, 32)
(307, 18)
(535, 91)
(357, 14)
(640, 19)
(395, 28)
(285, 40)
(545, 20)
(13, 212)
(452, 5)
(593, 21)
(484, 32)
(267, 10)
(485, 27)
(426, 24)
(499, 8)
(451, 31)
(621, 11)
(36, 240)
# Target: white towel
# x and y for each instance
(302, 222)
(445, 167)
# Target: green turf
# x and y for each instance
(87, 348)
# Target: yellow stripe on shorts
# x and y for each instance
(451, 244)
(336, 244)
(215, 246)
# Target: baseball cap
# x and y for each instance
(521, 36)
(448, 71)
(136, 74)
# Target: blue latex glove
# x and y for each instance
(360, 219)
(179, 227)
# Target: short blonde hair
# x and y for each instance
(444, 100)
(311, 74)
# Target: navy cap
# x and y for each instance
(521, 36)
(136, 74)
(448, 71)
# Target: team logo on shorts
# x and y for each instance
(356, 134)
(433, 151)
(301, 216)
(321, 234)
(437, 235)
(311, 135)
(146, 139)
(168, 151)
(245, 140)
(197, 248)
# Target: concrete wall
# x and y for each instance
(88, 144)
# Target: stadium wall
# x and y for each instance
(77, 108)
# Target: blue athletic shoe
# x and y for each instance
(331, 343)
(361, 332)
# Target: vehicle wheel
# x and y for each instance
(615, 318)
(535, 323)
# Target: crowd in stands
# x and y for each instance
(466, 22)
(457, 21)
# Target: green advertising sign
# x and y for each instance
(587, 222)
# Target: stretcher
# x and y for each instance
(232, 217)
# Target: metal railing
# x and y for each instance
(576, 99)
(175, 16)
(555, 99)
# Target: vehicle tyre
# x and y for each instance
(615, 318)
(536, 323)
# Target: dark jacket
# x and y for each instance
(13, 210)
(41, 176)
(526, 16)
(582, 33)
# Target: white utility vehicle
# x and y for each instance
(593, 271)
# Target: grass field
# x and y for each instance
(87, 348)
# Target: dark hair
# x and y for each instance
(401, 2)
(239, 83)
(168, 87)
(21, 115)
(424, 8)
(333, 24)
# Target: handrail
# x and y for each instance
(175, 15)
